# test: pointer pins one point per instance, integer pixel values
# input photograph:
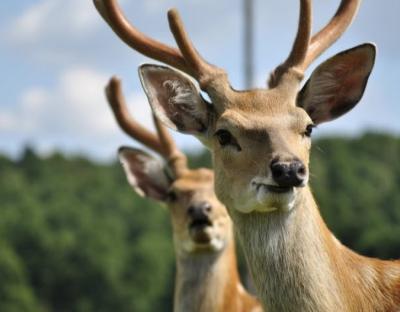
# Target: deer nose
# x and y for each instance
(199, 210)
(288, 174)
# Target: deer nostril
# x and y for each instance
(278, 171)
(199, 209)
(191, 211)
(288, 174)
(205, 207)
(301, 171)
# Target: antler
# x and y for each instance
(186, 59)
(176, 159)
(126, 122)
(332, 31)
(300, 46)
(304, 50)
(163, 144)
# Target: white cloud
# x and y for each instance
(31, 23)
(49, 37)
(26, 115)
(34, 98)
(74, 116)
(74, 108)
(50, 19)
(7, 121)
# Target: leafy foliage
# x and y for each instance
(74, 237)
(80, 240)
(357, 186)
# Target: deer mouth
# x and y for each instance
(198, 230)
(275, 188)
(278, 189)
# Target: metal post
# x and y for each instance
(248, 43)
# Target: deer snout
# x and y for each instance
(288, 173)
(199, 210)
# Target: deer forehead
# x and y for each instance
(259, 124)
(263, 100)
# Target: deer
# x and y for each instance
(260, 142)
(207, 277)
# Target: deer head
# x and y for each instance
(200, 222)
(260, 138)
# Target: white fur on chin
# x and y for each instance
(260, 199)
(216, 243)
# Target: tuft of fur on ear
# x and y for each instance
(145, 174)
(337, 85)
(175, 99)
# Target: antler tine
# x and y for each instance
(187, 60)
(176, 159)
(112, 14)
(299, 50)
(300, 46)
(130, 126)
(163, 144)
(332, 31)
(202, 70)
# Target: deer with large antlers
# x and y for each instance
(260, 143)
(206, 277)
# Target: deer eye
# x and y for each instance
(309, 130)
(225, 138)
(171, 196)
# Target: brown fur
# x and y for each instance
(207, 279)
(296, 262)
(206, 276)
(298, 265)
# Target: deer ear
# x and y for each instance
(337, 85)
(175, 99)
(145, 173)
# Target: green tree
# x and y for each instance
(74, 237)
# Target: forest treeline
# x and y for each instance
(74, 237)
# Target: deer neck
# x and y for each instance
(289, 255)
(207, 281)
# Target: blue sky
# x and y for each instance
(57, 56)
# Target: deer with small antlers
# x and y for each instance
(260, 143)
(206, 277)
